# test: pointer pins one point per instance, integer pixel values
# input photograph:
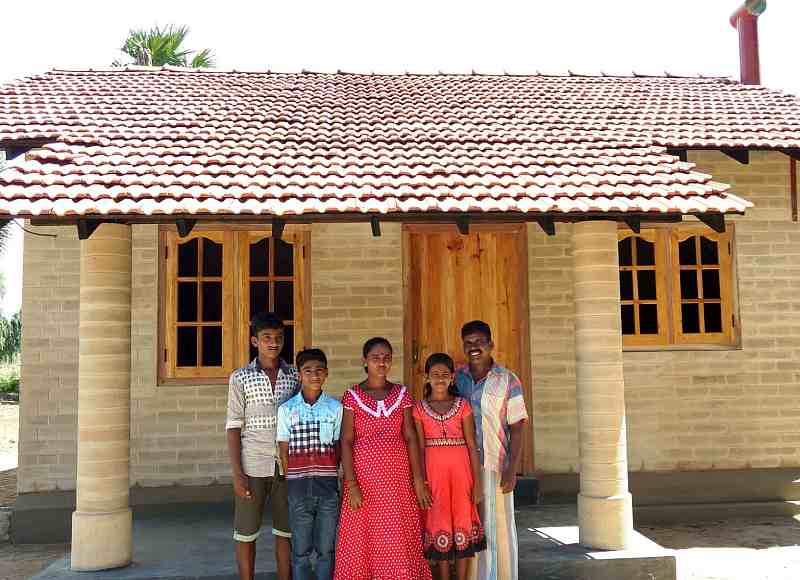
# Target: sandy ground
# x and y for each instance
(9, 435)
(756, 549)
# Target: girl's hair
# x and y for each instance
(375, 341)
(372, 343)
(440, 358)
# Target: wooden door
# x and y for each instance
(451, 279)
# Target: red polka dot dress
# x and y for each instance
(383, 539)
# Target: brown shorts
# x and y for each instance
(248, 513)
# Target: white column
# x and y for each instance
(102, 522)
(605, 515)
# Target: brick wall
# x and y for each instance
(49, 391)
(357, 294)
(552, 313)
(692, 409)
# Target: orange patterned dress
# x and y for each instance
(452, 525)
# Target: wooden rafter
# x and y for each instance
(740, 155)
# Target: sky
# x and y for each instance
(525, 36)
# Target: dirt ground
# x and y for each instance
(754, 549)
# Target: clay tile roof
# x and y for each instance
(168, 140)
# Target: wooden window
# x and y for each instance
(676, 287)
(212, 282)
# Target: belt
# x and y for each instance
(444, 442)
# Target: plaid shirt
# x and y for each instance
(311, 432)
(496, 403)
(253, 407)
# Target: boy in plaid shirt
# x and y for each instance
(308, 440)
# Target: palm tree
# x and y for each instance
(161, 46)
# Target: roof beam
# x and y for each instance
(634, 223)
(793, 153)
(547, 224)
(716, 221)
(87, 227)
(278, 226)
(375, 224)
(462, 223)
(681, 154)
(185, 226)
(740, 155)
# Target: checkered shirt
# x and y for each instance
(253, 407)
(311, 432)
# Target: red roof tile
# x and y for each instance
(174, 141)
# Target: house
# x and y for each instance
(632, 240)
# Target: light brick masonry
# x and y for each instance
(687, 410)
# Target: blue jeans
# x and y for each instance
(314, 519)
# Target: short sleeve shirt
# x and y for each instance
(497, 402)
(253, 407)
(311, 432)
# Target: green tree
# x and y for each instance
(162, 46)
(10, 338)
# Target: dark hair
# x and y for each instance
(476, 326)
(310, 354)
(440, 358)
(265, 321)
(373, 342)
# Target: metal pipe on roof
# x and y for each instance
(745, 20)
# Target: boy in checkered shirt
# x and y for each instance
(308, 441)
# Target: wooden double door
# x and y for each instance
(451, 279)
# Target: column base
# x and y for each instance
(605, 523)
(101, 541)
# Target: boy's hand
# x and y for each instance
(477, 492)
(241, 486)
(354, 497)
(509, 480)
(423, 494)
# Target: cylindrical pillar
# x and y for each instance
(102, 523)
(605, 514)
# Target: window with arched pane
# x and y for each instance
(676, 287)
(212, 282)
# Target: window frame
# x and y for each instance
(236, 297)
(671, 337)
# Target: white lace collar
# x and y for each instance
(382, 409)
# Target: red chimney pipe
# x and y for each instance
(745, 20)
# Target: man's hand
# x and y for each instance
(509, 480)
(241, 486)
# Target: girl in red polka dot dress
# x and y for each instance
(380, 530)
(446, 431)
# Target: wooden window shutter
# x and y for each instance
(198, 320)
(644, 300)
(702, 286)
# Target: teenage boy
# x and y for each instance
(499, 409)
(254, 394)
(309, 425)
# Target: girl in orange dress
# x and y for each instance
(446, 432)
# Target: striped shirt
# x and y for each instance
(311, 432)
(497, 402)
(253, 407)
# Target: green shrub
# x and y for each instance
(9, 379)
